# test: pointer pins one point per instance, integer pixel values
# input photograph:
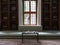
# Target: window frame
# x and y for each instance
(30, 12)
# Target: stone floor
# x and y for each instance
(28, 42)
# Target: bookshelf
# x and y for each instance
(9, 14)
(50, 14)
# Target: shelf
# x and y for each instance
(8, 14)
(50, 16)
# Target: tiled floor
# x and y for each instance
(28, 42)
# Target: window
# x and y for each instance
(29, 12)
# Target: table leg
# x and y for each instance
(22, 38)
(37, 38)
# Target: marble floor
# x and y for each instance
(28, 42)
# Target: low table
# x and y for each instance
(30, 33)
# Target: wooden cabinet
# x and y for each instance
(8, 14)
(50, 14)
